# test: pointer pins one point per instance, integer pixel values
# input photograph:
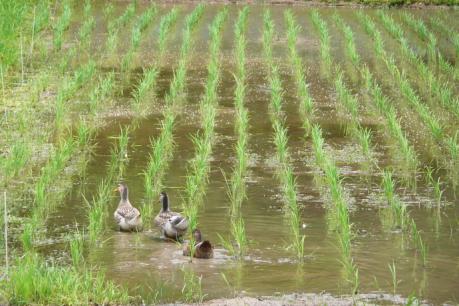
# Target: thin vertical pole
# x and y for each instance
(5, 216)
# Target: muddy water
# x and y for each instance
(148, 266)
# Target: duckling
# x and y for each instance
(171, 224)
(202, 249)
(127, 216)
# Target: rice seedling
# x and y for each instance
(324, 40)
(141, 91)
(16, 160)
(116, 25)
(88, 25)
(108, 11)
(436, 87)
(285, 171)
(418, 242)
(40, 22)
(76, 248)
(431, 122)
(438, 191)
(393, 273)
(62, 24)
(199, 166)
(408, 153)
(192, 287)
(398, 214)
(236, 184)
(338, 213)
(448, 32)
(165, 26)
(351, 50)
(136, 35)
(162, 147)
(101, 93)
(349, 101)
(306, 101)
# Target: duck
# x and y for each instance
(127, 217)
(172, 225)
(202, 249)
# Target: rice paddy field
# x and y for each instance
(315, 147)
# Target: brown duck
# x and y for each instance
(127, 217)
(202, 249)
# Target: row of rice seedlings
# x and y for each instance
(433, 49)
(351, 50)
(13, 23)
(162, 146)
(449, 143)
(434, 84)
(149, 79)
(448, 32)
(67, 89)
(407, 90)
(20, 120)
(306, 104)
(165, 25)
(348, 101)
(43, 203)
(398, 216)
(101, 93)
(324, 40)
(136, 35)
(62, 24)
(237, 182)
(198, 168)
(97, 213)
(88, 26)
(115, 26)
(285, 169)
(338, 212)
(41, 18)
(142, 90)
(20, 152)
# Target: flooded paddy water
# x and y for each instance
(155, 269)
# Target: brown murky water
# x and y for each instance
(144, 264)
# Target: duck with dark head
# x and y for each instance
(202, 249)
(172, 225)
(127, 217)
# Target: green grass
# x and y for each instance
(32, 280)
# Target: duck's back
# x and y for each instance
(163, 217)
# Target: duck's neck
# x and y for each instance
(165, 203)
(124, 195)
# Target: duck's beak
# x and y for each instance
(115, 190)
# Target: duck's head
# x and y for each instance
(123, 190)
(164, 200)
(197, 235)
